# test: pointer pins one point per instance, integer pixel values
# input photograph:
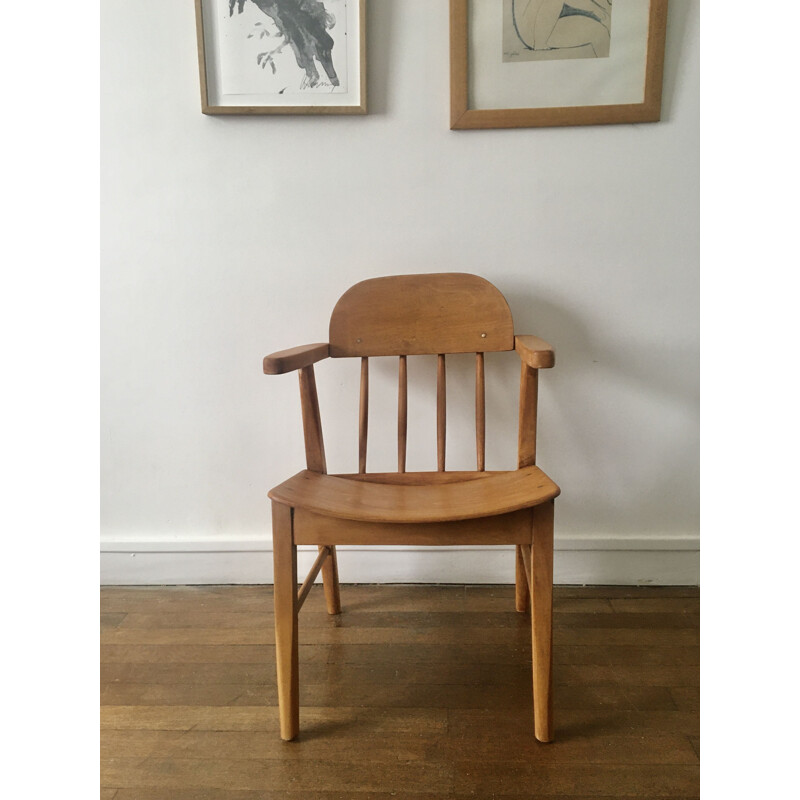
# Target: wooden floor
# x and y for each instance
(414, 692)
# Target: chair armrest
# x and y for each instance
(295, 358)
(535, 352)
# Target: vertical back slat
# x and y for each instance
(441, 413)
(312, 425)
(480, 412)
(402, 414)
(363, 413)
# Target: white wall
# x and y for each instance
(227, 238)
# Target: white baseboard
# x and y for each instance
(660, 561)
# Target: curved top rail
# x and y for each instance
(449, 312)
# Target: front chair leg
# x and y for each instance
(284, 553)
(542, 620)
(330, 582)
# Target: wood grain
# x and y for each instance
(302, 593)
(490, 494)
(413, 478)
(409, 315)
(286, 628)
(330, 580)
(528, 409)
(535, 352)
(504, 529)
(312, 423)
(341, 635)
(441, 412)
(295, 358)
(540, 570)
(522, 596)
(363, 415)
(406, 720)
(421, 314)
(480, 412)
(402, 414)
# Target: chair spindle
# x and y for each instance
(402, 414)
(441, 412)
(480, 412)
(363, 413)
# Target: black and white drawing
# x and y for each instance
(283, 47)
(544, 30)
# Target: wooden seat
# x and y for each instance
(419, 498)
(404, 316)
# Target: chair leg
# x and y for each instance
(286, 632)
(330, 582)
(542, 620)
(522, 596)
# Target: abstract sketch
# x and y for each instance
(539, 30)
(302, 28)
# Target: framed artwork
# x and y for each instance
(282, 56)
(535, 63)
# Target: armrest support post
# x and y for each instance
(303, 359)
(312, 423)
(528, 407)
(534, 354)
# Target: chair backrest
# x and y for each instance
(434, 314)
(421, 314)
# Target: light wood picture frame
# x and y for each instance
(542, 63)
(282, 56)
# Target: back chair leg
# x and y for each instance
(522, 595)
(330, 582)
(286, 631)
(542, 620)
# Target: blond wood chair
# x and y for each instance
(403, 316)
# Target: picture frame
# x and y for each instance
(542, 63)
(282, 56)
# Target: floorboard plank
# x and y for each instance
(646, 780)
(244, 794)
(296, 774)
(413, 693)
(399, 671)
(262, 635)
(366, 721)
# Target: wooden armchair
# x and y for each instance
(402, 316)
